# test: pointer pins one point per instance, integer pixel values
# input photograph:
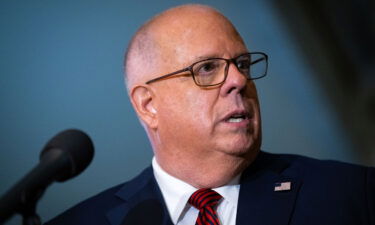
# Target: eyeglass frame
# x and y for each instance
(228, 61)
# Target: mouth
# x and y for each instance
(237, 117)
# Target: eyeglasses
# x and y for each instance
(214, 71)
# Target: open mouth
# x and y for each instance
(237, 118)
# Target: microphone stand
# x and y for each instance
(27, 208)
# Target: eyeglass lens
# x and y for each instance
(213, 71)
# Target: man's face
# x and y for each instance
(196, 123)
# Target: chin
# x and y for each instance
(241, 146)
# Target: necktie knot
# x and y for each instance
(205, 201)
(204, 198)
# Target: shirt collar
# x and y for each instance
(176, 192)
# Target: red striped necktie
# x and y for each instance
(206, 200)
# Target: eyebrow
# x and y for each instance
(208, 56)
(203, 57)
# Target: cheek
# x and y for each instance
(188, 112)
(200, 108)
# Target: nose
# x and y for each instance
(235, 82)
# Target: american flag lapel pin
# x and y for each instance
(283, 186)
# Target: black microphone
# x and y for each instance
(64, 156)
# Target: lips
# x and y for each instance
(237, 116)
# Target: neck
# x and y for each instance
(206, 172)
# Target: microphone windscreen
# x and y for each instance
(78, 147)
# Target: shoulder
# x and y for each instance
(89, 211)
(323, 171)
(329, 184)
(94, 210)
(332, 175)
(309, 166)
(330, 188)
(319, 177)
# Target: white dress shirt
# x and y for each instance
(176, 194)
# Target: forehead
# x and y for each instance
(188, 35)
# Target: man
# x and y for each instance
(190, 78)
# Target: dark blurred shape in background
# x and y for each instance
(338, 40)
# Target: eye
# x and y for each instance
(243, 64)
(207, 68)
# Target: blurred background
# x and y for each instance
(61, 67)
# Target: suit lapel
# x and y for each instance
(142, 204)
(259, 203)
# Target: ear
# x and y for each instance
(142, 98)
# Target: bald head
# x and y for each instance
(158, 41)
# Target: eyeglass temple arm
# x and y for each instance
(258, 60)
(168, 75)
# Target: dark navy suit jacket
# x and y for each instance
(322, 193)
